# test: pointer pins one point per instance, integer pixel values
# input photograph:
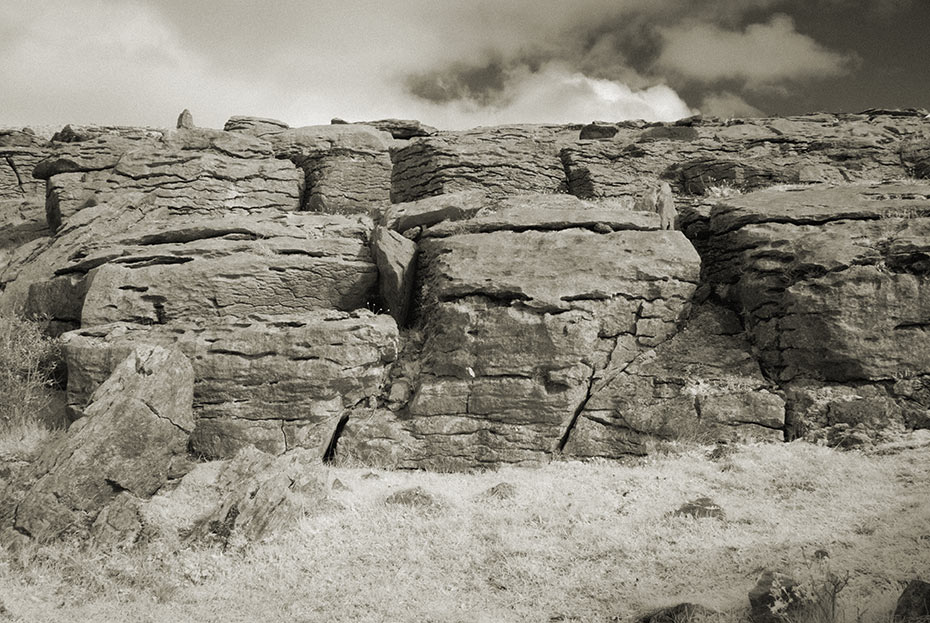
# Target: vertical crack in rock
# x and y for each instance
(330, 454)
(589, 391)
(19, 179)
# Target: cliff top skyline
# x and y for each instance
(456, 64)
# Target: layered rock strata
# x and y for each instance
(508, 321)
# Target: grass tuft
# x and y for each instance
(27, 364)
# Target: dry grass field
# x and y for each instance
(567, 541)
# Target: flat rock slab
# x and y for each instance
(429, 211)
(137, 423)
(541, 212)
(135, 261)
(553, 271)
(275, 382)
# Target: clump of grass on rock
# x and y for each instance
(27, 363)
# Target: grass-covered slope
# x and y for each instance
(566, 542)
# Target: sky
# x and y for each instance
(456, 64)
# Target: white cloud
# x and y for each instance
(556, 94)
(728, 105)
(761, 55)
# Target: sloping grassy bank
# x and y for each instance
(565, 542)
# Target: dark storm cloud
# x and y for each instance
(483, 83)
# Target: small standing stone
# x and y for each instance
(186, 120)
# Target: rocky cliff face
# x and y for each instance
(400, 295)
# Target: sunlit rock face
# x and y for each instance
(396, 294)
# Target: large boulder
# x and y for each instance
(274, 382)
(832, 286)
(247, 498)
(398, 128)
(136, 426)
(519, 318)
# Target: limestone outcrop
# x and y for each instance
(134, 429)
(273, 382)
(20, 151)
(831, 284)
(420, 298)
(499, 161)
(699, 155)
(347, 167)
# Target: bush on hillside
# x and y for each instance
(27, 363)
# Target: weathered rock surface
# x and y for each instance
(256, 126)
(20, 151)
(500, 161)
(533, 212)
(347, 167)
(429, 211)
(701, 384)
(831, 285)
(396, 259)
(246, 498)
(188, 170)
(398, 128)
(747, 154)
(532, 322)
(134, 260)
(21, 222)
(517, 321)
(830, 281)
(275, 382)
(136, 424)
(914, 603)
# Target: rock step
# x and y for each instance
(275, 382)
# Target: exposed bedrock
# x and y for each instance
(347, 167)
(748, 154)
(272, 381)
(544, 316)
(832, 284)
(20, 151)
(186, 170)
(136, 261)
(500, 161)
(134, 430)
(515, 302)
